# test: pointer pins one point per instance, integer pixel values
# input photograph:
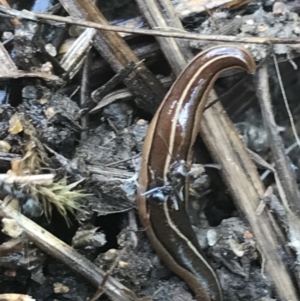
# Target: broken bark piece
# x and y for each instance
(146, 52)
(73, 59)
(98, 94)
(123, 94)
(141, 82)
(19, 74)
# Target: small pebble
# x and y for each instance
(110, 254)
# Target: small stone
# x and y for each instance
(250, 22)
(123, 264)
(110, 254)
(4, 146)
(51, 49)
(59, 288)
(279, 9)
(211, 237)
(141, 122)
(11, 228)
(236, 247)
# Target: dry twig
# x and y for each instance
(287, 187)
(63, 252)
(29, 179)
(161, 33)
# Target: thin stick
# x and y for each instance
(100, 290)
(84, 94)
(280, 159)
(286, 103)
(162, 33)
(66, 254)
(30, 179)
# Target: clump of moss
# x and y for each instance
(59, 194)
(34, 160)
